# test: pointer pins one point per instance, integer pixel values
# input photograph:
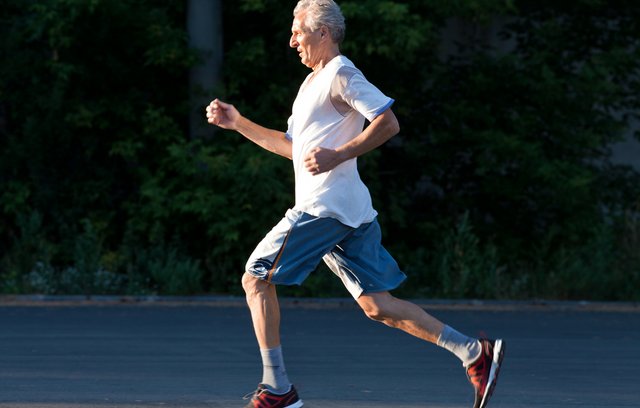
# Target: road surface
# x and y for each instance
(130, 355)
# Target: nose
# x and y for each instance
(292, 42)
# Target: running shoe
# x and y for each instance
(483, 373)
(263, 398)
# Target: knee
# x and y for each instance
(375, 311)
(380, 307)
(253, 287)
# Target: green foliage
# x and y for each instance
(28, 247)
(499, 185)
(84, 123)
(463, 267)
(169, 272)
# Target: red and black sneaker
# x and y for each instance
(483, 373)
(263, 398)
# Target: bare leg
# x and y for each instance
(402, 315)
(265, 314)
(481, 359)
(412, 319)
(265, 310)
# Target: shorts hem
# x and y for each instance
(269, 279)
(366, 291)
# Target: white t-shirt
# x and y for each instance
(329, 111)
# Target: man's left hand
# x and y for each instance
(320, 160)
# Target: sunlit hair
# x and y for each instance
(322, 13)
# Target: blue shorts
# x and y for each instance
(294, 247)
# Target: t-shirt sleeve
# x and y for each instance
(289, 133)
(353, 89)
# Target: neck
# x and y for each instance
(331, 54)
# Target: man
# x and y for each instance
(333, 218)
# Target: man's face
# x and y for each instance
(306, 42)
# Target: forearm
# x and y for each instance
(269, 139)
(381, 129)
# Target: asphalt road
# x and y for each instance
(206, 356)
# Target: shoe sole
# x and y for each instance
(296, 404)
(498, 355)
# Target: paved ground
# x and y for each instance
(199, 355)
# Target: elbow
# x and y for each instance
(387, 124)
(393, 125)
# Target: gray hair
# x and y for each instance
(323, 13)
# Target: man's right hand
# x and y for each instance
(222, 114)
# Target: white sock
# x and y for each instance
(467, 349)
(274, 375)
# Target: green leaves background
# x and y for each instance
(500, 184)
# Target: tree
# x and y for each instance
(499, 184)
(204, 25)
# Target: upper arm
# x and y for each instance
(387, 123)
(350, 90)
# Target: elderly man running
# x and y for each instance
(333, 218)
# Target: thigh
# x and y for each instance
(294, 247)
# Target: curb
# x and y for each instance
(313, 303)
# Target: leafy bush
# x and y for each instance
(499, 185)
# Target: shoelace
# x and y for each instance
(258, 392)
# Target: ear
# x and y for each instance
(324, 31)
